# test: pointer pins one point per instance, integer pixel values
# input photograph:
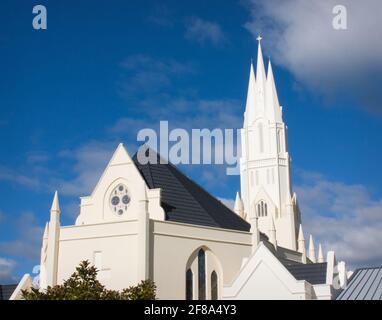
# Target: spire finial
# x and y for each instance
(259, 38)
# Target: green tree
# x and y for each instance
(83, 285)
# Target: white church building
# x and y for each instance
(151, 221)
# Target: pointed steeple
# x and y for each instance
(250, 105)
(273, 106)
(55, 209)
(272, 233)
(239, 208)
(320, 254)
(301, 240)
(53, 231)
(301, 244)
(312, 253)
(55, 204)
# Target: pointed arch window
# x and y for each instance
(202, 274)
(262, 209)
(189, 285)
(214, 285)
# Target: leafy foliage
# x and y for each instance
(83, 285)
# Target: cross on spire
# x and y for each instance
(259, 38)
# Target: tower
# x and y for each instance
(265, 165)
(50, 247)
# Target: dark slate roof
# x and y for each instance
(314, 273)
(364, 284)
(185, 201)
(6, 291)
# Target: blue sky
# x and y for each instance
(101, 71)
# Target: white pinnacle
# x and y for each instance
(273, 106)
(301, 240)
(55, 204)
(251, 100)
(320, 254)
(272, 233)
(238, 205)
(312, 253)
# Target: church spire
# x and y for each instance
(273, 106)
(264, 140)
(250, 105)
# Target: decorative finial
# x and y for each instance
(259, 38)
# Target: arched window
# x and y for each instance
(202, 274)
(189, 284)
(214, 286)
(262, 209)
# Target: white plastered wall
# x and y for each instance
(174, 246)
(264, 277)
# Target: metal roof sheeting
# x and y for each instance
(364, 284)
(314, 273)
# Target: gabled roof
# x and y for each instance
(185, 201)
(314, 273)
(6, 291)
(364, 284)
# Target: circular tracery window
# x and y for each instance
(119, 199)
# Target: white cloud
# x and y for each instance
(143, 74)
(89, 161)
(7, 267)
(204, 31)
(344, 217)
(299, 35)
(27, 242)
(10, 175)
